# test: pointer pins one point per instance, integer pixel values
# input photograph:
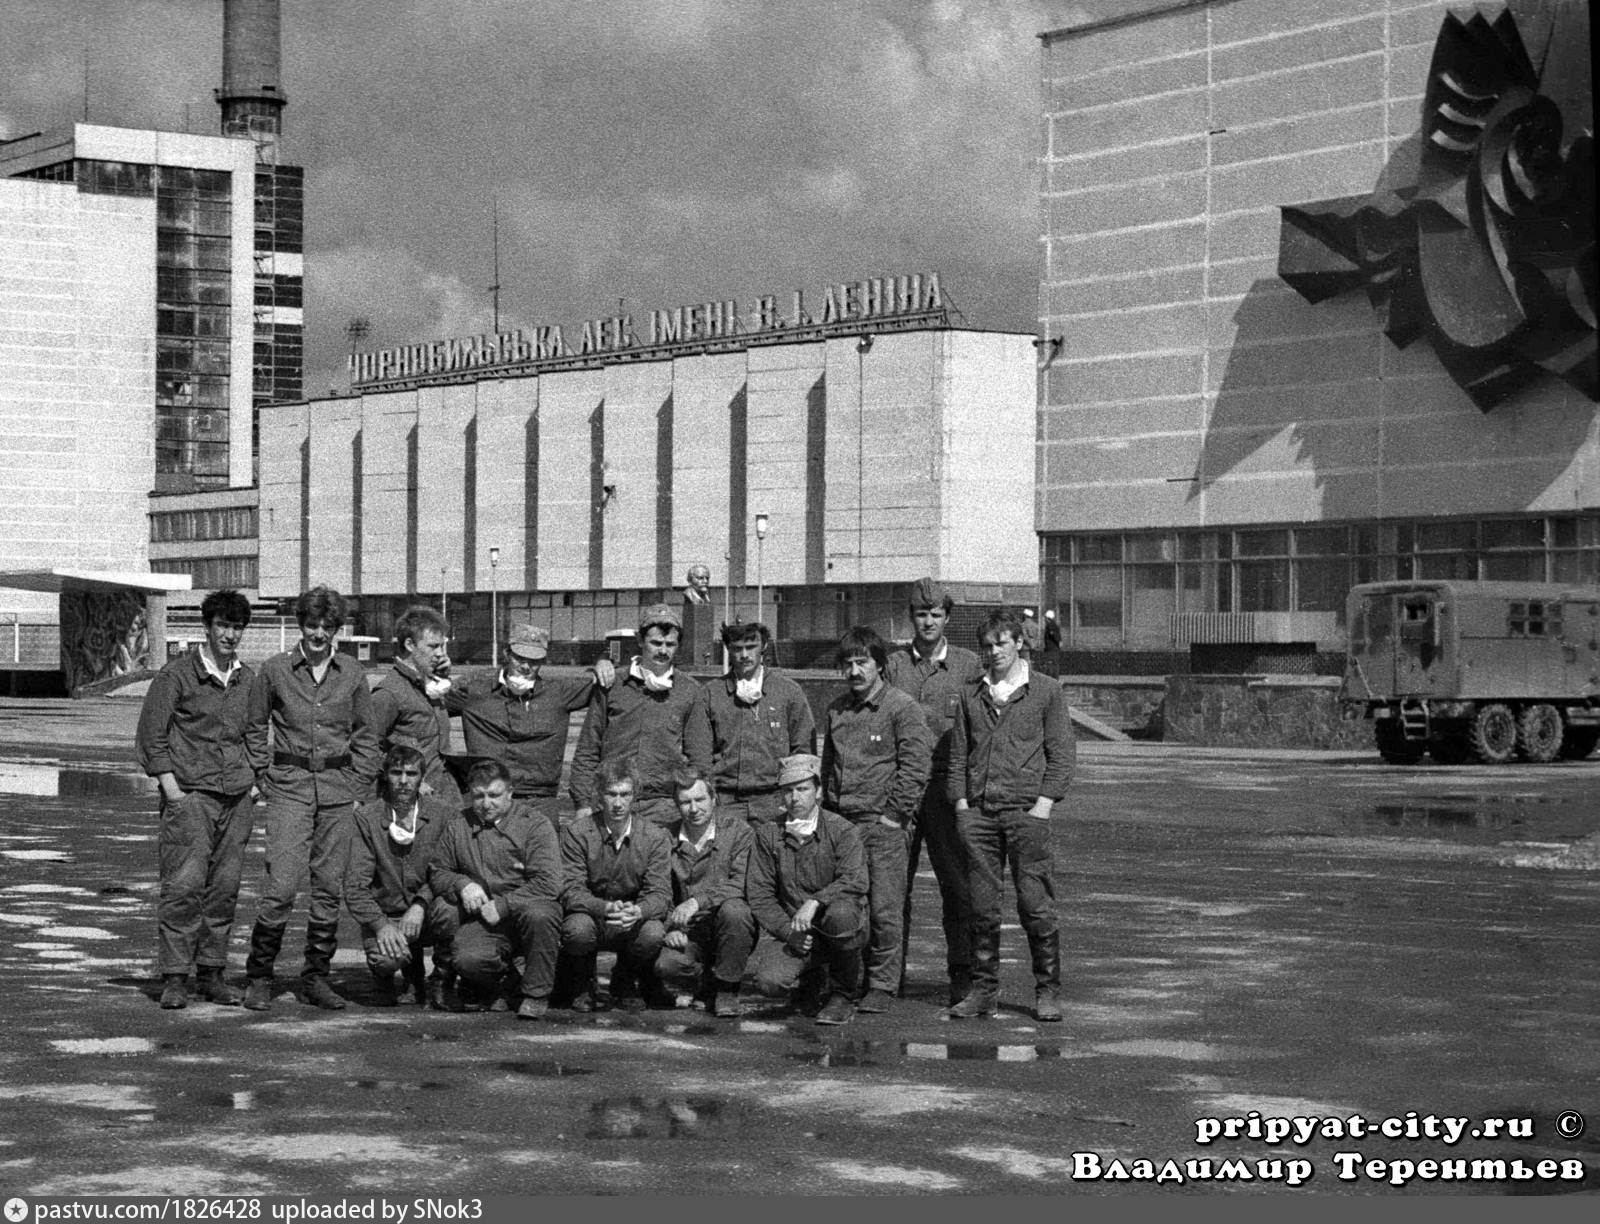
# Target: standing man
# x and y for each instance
(195, 738)
(876, 758)
(408, 704)
(324, 757)
(499, 869)
(654, 716)
(935, 673)
(616, 891)
(522, 721)
(807, 887)
(758, 717)
(1012, 753)
(710, 931)
(386, 888)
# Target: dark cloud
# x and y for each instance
(659, 151)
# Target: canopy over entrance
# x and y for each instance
(56, 581)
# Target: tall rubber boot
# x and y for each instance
(265, 942)
(1047, 977)
(322, 938)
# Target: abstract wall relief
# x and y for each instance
(103, 634)
(1490, 253)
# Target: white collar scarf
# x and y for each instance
(652, 682)
(803, 828)
(1002, 690)
(402, 834)
(748, 692)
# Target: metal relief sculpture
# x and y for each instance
(1490, 253)
(103, 634)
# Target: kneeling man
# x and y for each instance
(386, 887)
(500, 868)
(710, 928)
(617, 889)
(807, 886)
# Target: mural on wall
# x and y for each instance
(103, 634)
(1490, 253)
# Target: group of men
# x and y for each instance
(699, 817)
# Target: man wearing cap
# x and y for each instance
(758, 717)
(522, 721)
(654, 715)
(408, 704)
(807, 887)
(876, 756)
(936, 673)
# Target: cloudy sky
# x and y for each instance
(657, 151)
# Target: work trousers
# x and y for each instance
(838, 935)
(886, 902)
(659, 812)
(531, 930)
(302, 838)
(440, 925)
(936, 827)
(722, 939)
(200, 851)
(583, 938)
(995, 838)
(755, 809)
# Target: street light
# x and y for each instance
(761, 548)
(494, 607)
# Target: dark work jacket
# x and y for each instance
(785, 872)
(200, 732)
(310, 719)
(748, 741)
(528, 735)
(938, 688)
(718, 874)
(876, 757)
(385, 879)
(1010, 755)
(660, 731)
(516, 860)
(594, 871)
(403, 713)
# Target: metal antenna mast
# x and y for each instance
(495, 288)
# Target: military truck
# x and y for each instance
(1487, 671)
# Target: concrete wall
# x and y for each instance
(77, 380)
(1171, 142)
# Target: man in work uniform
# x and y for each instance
(1012, 753)
(386, 888)
(758, 717)
(195, 738)
(936, 673)
(522, 721)
(710, 930)
(408, 704)
(324, 758)
(876, 757)
(807, 887)
(616, 891)
(653, 715)
(498, 869)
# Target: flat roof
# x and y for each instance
(54, 581)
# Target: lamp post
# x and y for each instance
(761, 547)
(494, 607)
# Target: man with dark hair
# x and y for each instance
(654, 715)
(807, 887)
(935, 672)
(876, 757)
(196, 739)
(617, 889)
(324, 758)
(758, 717)
(1012, 754)
(500, 869)
(408, 704)
(710, 930)
(386, 888)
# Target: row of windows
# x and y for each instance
(213, 573)
(175, 389)
(178, 249)
(206, 462)
(222, 523)
(285, 291)
(179, 424)
(214, 322)
(183, 181)
(195, 216)
(181, 286)
(179, 354)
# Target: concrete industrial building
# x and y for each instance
(1229, 434)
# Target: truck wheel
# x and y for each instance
(1579, 742)
(1539, 733)
(1450, 750)
(1393, 746)
(1493, 734)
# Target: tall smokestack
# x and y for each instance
(251, 97)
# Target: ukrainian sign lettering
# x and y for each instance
(885, 303)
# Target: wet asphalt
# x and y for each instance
(1299, 934)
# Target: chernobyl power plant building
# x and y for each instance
(1318, 294)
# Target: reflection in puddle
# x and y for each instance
(249, 1099)
(544, 1068)
(377, 1085)
(692, 1030)
(50, 781)
(659, 1118)
(874, 1053)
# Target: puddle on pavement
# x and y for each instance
(1478, 817)
(245, 1100)
(377, 1085)
(547, 1068)
(876, 1053)
(53, 782)
(661, 1118)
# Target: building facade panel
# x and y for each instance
(639, 419)
(285, 477)
(446, 433)
(334, 429)
(704, 390)
(507, 419)
(570, 417)
(388, 429)
(784, 472)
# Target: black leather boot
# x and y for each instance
(265, 943)
(322, 938)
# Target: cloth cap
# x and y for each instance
(926, 593)
(661, 615)
(800, 767)
(529, 642)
